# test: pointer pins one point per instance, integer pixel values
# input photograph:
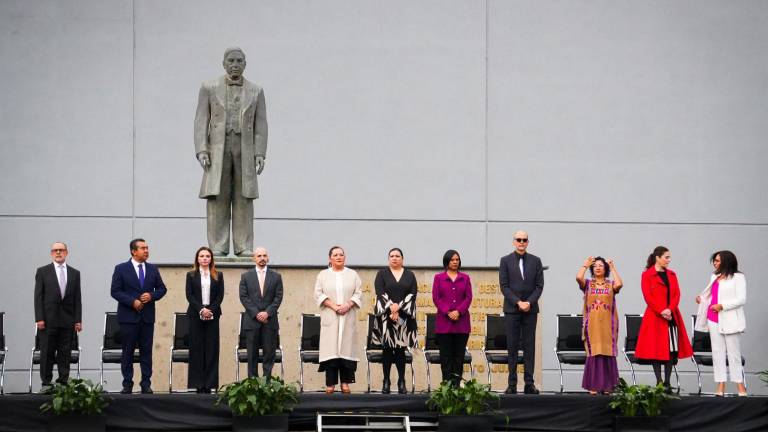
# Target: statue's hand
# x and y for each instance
(204, 159)
(259, 164)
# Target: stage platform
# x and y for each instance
(545, 412)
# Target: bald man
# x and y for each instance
(261, 292)
(521, 277)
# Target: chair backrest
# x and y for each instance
(180, 330)
(569, 329)
(495, 333)
(310, 332)
(2, 331)
(633, 330)
(700, 341)
(242, 337)
(369, 345)
(74, 346)
(112, 338)
(430, 341)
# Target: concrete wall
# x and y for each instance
(605, 127)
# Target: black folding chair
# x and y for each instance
(3, 352)
(495, 343)
(432, 352)
(569, 346)
(309, 347)
(111, 346)
(630, 344)
(374, 354)
(702, 352)
(241, 350)
(35, 356)
(179, 352)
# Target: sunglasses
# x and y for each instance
(520, 240)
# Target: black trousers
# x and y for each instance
(138, 334)
(203, 353)
(338, 370)
(452, 347)
(264, 338)
(55, 347)
(521, 325)
(396, 356)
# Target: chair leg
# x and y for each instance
(368, 372)
(101, 368)
(170, 372)
(488, 369)
(698, 373)
(31, 367)
(301, 376)
(677, 378)
(413, 379)
(429, 375)
(237, 367)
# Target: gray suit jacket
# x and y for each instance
(254, 302)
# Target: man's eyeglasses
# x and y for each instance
(520, 240)
(58, 250)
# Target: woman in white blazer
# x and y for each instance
(721, 312)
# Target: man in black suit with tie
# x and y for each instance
(261, 292)
(58, 313)
(137, 285)
(521, 277)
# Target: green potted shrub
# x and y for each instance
(640, 407)
(259, 404)
(464, 408)
(77, 406)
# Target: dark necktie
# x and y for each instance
(141, 276)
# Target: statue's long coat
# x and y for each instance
(210, 125)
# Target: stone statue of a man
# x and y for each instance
(231, 145)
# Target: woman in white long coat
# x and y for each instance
(721, 313)
(338, 294)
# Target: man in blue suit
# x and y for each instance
(137, 285)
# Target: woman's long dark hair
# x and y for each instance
(729, 265)
(211, 267)
(658, 252)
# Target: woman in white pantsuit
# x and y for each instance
(721, 313)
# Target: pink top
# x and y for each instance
(712, 315)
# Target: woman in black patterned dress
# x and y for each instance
(395, 311)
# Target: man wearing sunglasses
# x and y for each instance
(521, 277)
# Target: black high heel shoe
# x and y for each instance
(401, 386)
(385, 386)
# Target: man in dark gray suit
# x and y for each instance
(58, 313)
(521, 277)
(261, 292)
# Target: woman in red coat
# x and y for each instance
(662, 338)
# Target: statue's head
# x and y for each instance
(234, 62)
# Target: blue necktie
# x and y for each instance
(141, 275)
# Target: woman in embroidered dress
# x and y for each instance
(601, 324)
(395, 324)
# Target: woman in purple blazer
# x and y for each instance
(452, 294)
